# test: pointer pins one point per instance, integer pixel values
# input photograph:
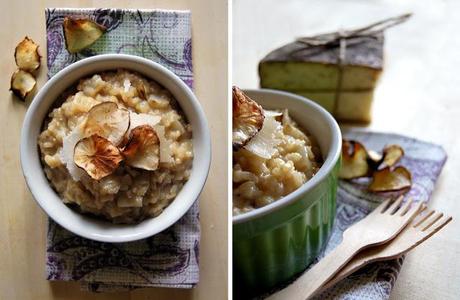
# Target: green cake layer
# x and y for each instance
(315, 76)
(352, 106)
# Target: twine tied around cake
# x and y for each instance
(366, 31)
(341, 38)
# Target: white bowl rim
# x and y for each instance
(330, 162)
(137, 232)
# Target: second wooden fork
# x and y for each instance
(420, 229)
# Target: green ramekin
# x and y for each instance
(274, 243)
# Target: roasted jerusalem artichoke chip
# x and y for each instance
(26, 55)
(22, 83)
(354, 160)
(97, 156)
(248, 118)
(108, 121)
(359, 162)
(391, 155)
(388, 180)
(81, 33)
(143, 148)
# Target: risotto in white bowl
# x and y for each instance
(115, 154)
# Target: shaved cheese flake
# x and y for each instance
(264, 142)
(67, 151)
(165, 145)
(126, 85)
(142, 119)
(272, 113)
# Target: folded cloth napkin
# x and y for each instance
(425, 162)
(169, 259)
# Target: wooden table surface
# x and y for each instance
(418, 95)
(23, 223)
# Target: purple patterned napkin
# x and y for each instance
(425, 162)
(169, 259)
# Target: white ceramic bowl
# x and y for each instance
(90, 227)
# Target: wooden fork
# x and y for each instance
(380, 226)
(419, 230)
